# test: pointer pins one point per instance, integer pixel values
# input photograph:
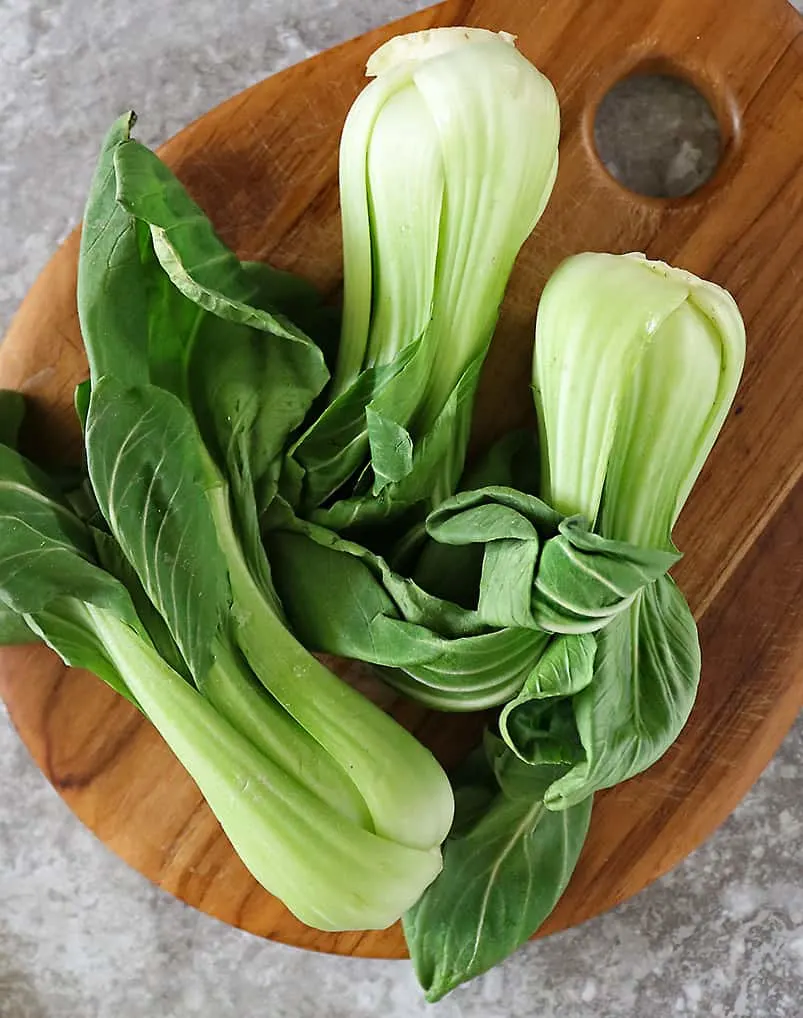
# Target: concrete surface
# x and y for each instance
(81, 935)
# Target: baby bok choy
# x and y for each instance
(636, 365)
(447, 161)
(654, 356)
(192, 394)
(329, 867)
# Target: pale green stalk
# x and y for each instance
(330, 872)
(404, 788)
(447, 161)
(635, 368)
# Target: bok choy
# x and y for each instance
(440, 186)
(186, 417)
(303, 840)
(654, 356)
(636, 365)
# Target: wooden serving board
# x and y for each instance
(264, 166)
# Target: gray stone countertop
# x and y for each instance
(83, 936)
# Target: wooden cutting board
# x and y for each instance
(264, 166)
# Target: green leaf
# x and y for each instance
(249, 374)
(136, 326)
(411, 602)
(249, 392)
(565, 669)
(646, 673)
(454, 571)
(66, 627)
(438, 458)
(449, 571)
(575, 583)
(173, 324)
(466, 673)
(504, 870)
(331, 598)
(334, 447)
(585, 580)
(296, 299)
(149, 470)
(545, 732)
(111, 558)
(342, 599)
(539, 722)
(391, 449)
(44, 549)
(171, 259)
(198, 264)
(113, 303)
(508, 568)
(83, 391)
(276, 289)
(14, 630)
(12, 412)
(510, 525)
(283, 369)
(490, 514)
(47, 573)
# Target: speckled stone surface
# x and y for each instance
(81, 935)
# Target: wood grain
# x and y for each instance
(264, 166)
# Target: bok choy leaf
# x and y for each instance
(506, 865)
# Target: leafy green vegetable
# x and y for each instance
(536, 575)
(646, 671)
(343, 599)
(354, 879)
(47, 576)
(112, 291)
(270, 816)
(243, 507)
(39, 528)
(428, 250)
(111, 558)
(188, 249)
(150, 479)
(654, 355)
(14, 629)
(510, 526)
(437, 461)
(506, 864)
(584, 580)
(538, 723)
(419, 229)
(194, 393)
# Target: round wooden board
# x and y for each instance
(264, 166)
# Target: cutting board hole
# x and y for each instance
(658, 135)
